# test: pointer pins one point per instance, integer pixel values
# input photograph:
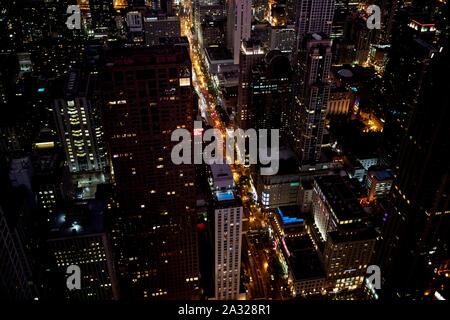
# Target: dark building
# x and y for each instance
(270, 89)
(250, 55)
(15, 267)
(388, 12)
(409, 58)
(10, 69)
(23, 268)
(362, 37)
(102, 14)
(415, 238)
(147, 94)
(342, 10)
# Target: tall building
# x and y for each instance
(409, 57)
(134, 22)
(313, 16)
(343, 9)
(15, 268)
(415, 235)
(362, 38)
(312, 62)
(251, 54)
(77, 113)
(270, 90)
(20, 267)
(378, 183)
(239, 24)
(207, 10)
(147, 94)
(10, 68)
(311, 98)
(227, 234)
(335, 205)
(388, 11)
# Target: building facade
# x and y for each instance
(147, 94)
(78, 119)
(239, 22)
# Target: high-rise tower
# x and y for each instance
(77, 116)
(415, 236)
(239, 24)
(227, 233)
(251, 54)
(312, 62)
(147, 94)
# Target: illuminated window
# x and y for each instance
(185, 82)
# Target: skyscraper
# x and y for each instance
(77, 114)
(251, 53)
(311, 98)
(270, 90)
(409, 58)
(313, 16)
(388, 12)
(415, 235)
(238, 25)
(147, 94)
(15, 269)
(312, 62)
(227, 233)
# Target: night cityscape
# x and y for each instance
(237, 150)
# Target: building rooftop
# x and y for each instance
(218, 53)
(382, 174)
(226, 199)
(78, 218)
(340, 197)
(222, 176)
(288, 161)
(303, 258)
